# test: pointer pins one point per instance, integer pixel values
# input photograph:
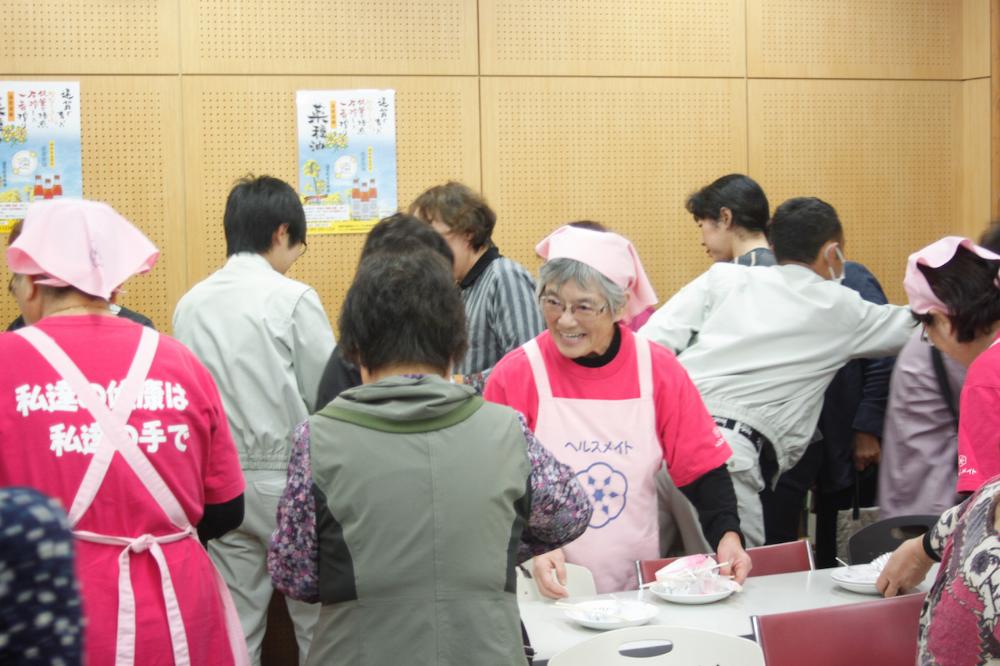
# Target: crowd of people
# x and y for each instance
(471, 419)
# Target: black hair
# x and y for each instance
(403, 309)
(801, 226)
(990, 239)
(740, 194)
(461, 209)
(967, 284)
(401, 233)
(255, 209)
(588, 224)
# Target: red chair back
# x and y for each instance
(882, 632)
(767, 560)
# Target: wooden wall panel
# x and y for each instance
(247, 124)
(974, 178)
(994, 110)
(975, 39)
(905, 39)
(623, 152)
(289, 37)
(131, 160)
(600, 38)
(89, 36)
(886, 154)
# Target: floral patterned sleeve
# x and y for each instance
(938, 535)
(560, 509)
(293, 554)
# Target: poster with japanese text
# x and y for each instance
(347, 158)
(39, 145)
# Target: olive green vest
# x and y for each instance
(422, 491)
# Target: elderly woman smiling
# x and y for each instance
(613, 407)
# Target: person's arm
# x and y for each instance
(910, 562)
(312, 344)
(879, 330)
(560, 509)
(870, 415)
(713, 496)
(220, 518)
(514, 314)
(293, 552)
(679, 320)
(560, 512)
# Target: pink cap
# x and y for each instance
(81, 244)
(610, 255)
(935, 255)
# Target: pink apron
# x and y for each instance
(115, 439)
(614, 448)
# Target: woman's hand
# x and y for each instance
(549, 572)
(906, 568)
(731, 550)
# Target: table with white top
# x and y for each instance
(551, 632)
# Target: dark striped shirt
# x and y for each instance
(501, 313)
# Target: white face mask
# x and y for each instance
(840, 255)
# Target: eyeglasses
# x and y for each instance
(924, 337)
(553, 307)
(10, 285)
(305, 246)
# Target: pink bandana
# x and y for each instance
(610, 255)
(935, 255)
(81, 244)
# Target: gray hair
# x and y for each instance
(557, 272)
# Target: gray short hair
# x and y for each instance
(557, 272)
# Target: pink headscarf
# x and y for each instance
(937, 254)
(81, 244)
(610, 255)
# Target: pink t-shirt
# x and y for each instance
(691, 443)
(979, 422)
(47, 443)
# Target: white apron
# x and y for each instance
(614, 449)
(115, 439)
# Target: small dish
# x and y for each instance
(859, 578)
(667, 594)
(611, 614)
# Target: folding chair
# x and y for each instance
(885, 536)
(882, 632)
(579, 582)
(687, 646)
(767, 560)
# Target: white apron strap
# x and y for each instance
(113, 434)
(643, 358)
(537, 363)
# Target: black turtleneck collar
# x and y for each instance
(597, 361)
(477, 269)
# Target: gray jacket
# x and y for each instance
(422, 491)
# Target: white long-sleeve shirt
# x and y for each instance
(266, 339)
(763, 343)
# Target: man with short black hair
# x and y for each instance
(762, 344)
(265, 338)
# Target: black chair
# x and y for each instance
(885, 536)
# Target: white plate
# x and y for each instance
(859, 578)
(612, 614)
(664, 593)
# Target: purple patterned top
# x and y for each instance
(560, 512)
